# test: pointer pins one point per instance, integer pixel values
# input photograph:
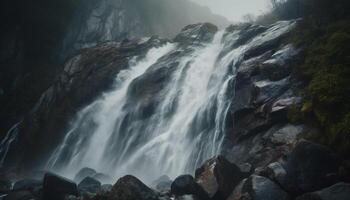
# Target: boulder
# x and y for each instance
(83, 173)
(27, 184)
(89, 184)
(258, 188)
(287, 134)
(218, 177)
(310, 167)
(131, 188)
(186, 185)
(274, 171)
(56, 187)
(339, 191)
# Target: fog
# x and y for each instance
(234, 10)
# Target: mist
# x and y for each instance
(234, 10)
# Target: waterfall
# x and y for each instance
(185, 125)
(6, 143)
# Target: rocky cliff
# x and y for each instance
(38, 36)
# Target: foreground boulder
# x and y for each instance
(131, 188)
(56, 187)
(186, 185)
(310, 167)
(89, 184)
(258, 188)
(83, 173)
(339, 191)
(218, 177)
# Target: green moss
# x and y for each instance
(326, 70)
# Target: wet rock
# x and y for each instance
(89, 184)
(310, 167)
(266, 42)
(27, 184)
(186, 185)
(275, 171)
(258, 188)
(20, 195)
(278, 66)
(56, 187)
(83, 173)
(339, 191)
(196, 33)
(218, 177)
(266, 91)
(131, 188)
(287, 134)
(248, 123)
(279, 109)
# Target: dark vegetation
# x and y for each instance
(324, 34)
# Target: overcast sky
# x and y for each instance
(235, 9)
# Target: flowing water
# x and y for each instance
(186, 128)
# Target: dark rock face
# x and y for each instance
(310, 167)
(186, 185)
(258, 188)
(89, 184)
(56, 188)
(130, 188)
(218, 177)
(83, 173)
(339, 191)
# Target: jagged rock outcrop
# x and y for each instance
(218, 177)
(130, 188)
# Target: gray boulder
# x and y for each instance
(56, 187)
(131, 188)
(186, 185)
(258, 188)
(310, 167)
(218, 177)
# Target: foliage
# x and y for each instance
(326, 69)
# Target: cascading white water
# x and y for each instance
(186, 127)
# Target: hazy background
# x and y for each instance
(233, 10)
